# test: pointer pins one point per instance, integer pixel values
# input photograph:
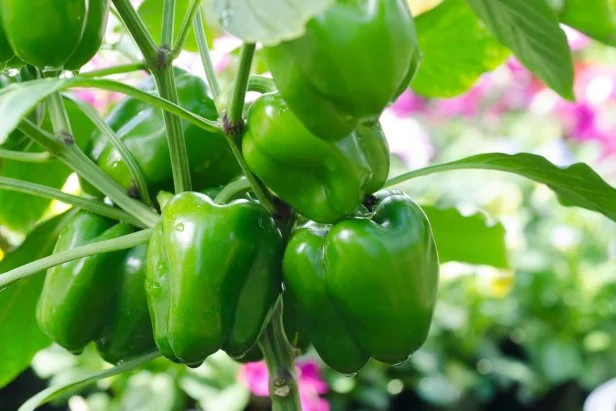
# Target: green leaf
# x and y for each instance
(576, 185)
(595, 18)
(83, 381)
(267, 21)
(454, 231)
(18, 99)
(532, 31)
(20, 212)
(457, 49)
(20, 337)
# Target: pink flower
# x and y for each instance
(577, 41)
(409, 103)
(310, 381)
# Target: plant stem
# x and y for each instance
(234, 125)
(135, 171)
(206, 59)
(165, 81)
(233, 189)
(94, 206)
(120, 69)
(166, 40)
(138, 31)
(185, 28)
(156, 101)
(257, 187)
(278, 354)
(115, 244)
(260, 84)
(234, 115)
(67, 152)
(26, 157)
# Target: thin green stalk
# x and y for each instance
(94, 206)
(67, 152)
(234, 115)
(206, 59)
(260, 84)
(185, 28)
(25, 157)
(234, 125)
(257, 187)
(118, 144)
(59, 117)
(119, 243)
(174, 108)
(138, 31)
(120, 69)
(165, 81)
(279, 358)
(233, 189)
(168, 23)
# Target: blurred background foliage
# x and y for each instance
(536, 335)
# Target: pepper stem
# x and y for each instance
(279, 357)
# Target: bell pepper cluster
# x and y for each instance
(355, 266)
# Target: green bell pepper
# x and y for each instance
(352, 61)
(322, 180)
(52, 34)
(213, 275)
(374, 278)
(74, 304)
(142, 128)
(128, 332)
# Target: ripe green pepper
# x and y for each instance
(213, 275)
(352, 61)
(74, 305)
(142, 128)
(52, 34)
(375, 278)
(322, 180)
(128, 332)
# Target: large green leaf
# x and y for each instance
(20, 212)
(20, 337)
(576, 185)
(267, 21)
(531, 30)
(457, 49)
(595, 18)
(467, 239)
(18, 99)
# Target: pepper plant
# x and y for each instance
(206, 218)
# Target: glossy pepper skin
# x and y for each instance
(142, 128)
(74, 304)
(376, 278)
(128, 332)
(322, 180)
(353, 60)
(213, 275)
(54, 34)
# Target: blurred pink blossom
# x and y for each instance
(310, 381)
(409, 103)
(577, 41)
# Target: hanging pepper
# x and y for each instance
(367, 286)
